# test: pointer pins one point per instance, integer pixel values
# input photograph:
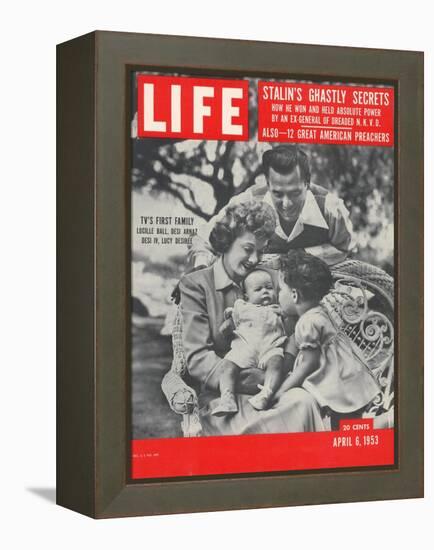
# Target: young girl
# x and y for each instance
(325, 365)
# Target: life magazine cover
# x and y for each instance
(262, 275)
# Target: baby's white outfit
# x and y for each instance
(259, 334)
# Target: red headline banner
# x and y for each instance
(316, 113)
(192, 108)
(353, 446)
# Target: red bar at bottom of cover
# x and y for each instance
(174, 457)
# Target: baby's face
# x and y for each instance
(259, 288)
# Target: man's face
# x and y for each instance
(288, 193)
(259, 288)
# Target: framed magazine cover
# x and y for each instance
(186, 167)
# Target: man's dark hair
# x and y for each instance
(284, 159)
(309, 275)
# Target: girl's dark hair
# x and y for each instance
(284, 159)
(254, 216)
(307, 274)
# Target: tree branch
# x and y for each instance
(189, 191)
(250, 180)
(166, 186)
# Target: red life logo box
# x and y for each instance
(192, 108)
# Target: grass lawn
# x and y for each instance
(151, 359)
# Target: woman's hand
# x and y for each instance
(249, 379)
(227, 328)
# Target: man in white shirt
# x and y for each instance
(308, 216)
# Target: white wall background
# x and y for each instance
(29, 32)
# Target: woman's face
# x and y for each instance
(243, 255)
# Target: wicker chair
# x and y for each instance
(361, 305)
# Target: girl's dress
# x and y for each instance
(341, 382)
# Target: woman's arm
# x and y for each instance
(307, 362)
(202, 361)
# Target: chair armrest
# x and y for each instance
(182, 398)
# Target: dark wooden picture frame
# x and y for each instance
(93, 406)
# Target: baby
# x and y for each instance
(258, 342)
